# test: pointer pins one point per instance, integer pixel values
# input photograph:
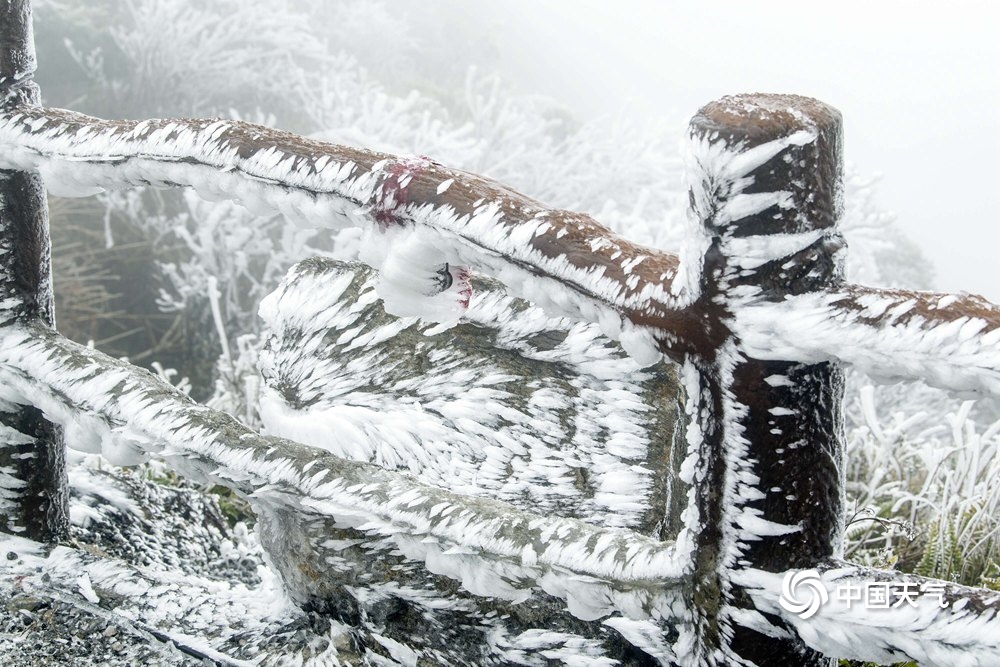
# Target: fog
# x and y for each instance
(915, 81)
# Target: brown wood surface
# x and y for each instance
(791, 463)
(42, 511)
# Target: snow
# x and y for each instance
(10, 484)
(719, 172)
(924, 632)
(466, 413)
(87, 589)
(576, 560)
(416, 278)
(329, 186)
(487, 511)
(318, 186)
(888, 338)
(402, 654)
(743, 522)
(149, 600)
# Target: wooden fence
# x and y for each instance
(754, 310)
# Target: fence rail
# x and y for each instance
(756, 312)
(590, 273)
(129, 415)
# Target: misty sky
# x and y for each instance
(917, 83)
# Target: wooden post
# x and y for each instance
(768, 445)
(33, 488)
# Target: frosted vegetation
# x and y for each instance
(192, 274)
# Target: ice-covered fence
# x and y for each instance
(32, 476)
(754, 310)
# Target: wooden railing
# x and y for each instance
(755, 311)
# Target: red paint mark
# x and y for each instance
(462, 275)
(393, 194)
